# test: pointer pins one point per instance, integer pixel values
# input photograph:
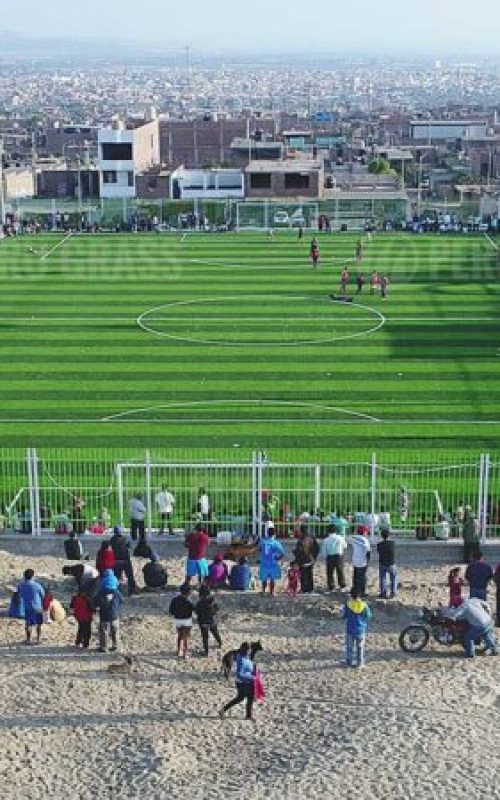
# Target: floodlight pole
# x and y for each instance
(2, 188)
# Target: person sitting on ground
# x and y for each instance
(155, 576)
(105, 558)
(206, 612)
(476, 614)
(496, 578)
(31, 592)
(73, 548)
(478, 575)
(240, 577)
(455, 584)
(181, 609)
(217, 572)
(63, 525)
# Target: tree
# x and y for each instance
(380, 166)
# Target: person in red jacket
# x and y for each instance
(105, 558)
(82, 612)
(197, 565)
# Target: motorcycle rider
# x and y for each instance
(476, 614)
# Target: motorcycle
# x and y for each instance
(443, 628)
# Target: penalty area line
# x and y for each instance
(490, 240)
(59, 244)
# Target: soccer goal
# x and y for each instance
(265, 214)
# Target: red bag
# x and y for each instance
(258, 688)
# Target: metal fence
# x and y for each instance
(38, 486)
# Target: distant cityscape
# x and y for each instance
(184, 126)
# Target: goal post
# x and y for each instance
(265, 214)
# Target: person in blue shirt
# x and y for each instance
(31, 594)
(271, 551)
(357, 614)
(109, 601)
(240, 577)
(245, 672)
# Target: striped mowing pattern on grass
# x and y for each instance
(241, 343)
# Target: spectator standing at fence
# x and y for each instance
(478, 575)
(31, 593)
(137, 511)
(306, 552)
(360, 558)
(123, 563)
(204, 505)
(165, 502)
(78, 505)
(386, 550)
(333, 549)
(197, 543)
(470, 535)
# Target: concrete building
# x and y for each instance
(282, 179)
(207, 141)
(64, 182)
(207, 184)
(18, 182)
(447, 130)
(122, 154)
(153, 185)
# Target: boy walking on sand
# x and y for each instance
(357, 614)
(32, 594)
(109, 602)
(83, 613)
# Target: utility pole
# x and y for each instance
(2, 188)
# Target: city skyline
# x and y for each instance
(385, 28)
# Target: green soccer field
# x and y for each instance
(204, 342)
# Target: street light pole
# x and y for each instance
(2, 188)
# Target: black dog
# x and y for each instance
(229, 658)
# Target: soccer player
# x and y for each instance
(360, 282)
(314, 253)
(374, 281)
(359, 251)
(384, 282)
(344, 280)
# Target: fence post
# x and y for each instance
(119, 489)
(31, 492)
(149, 498)
(317, 487)
(480, 508)
(373, 493)
(36, 485)
(486, 480)
(260, 484)
(254, 494)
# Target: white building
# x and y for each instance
(207, 184)
(447, 130)
(122, 153)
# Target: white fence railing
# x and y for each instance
(36, 487)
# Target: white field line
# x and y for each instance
(59, 244)
(256, 319)
(240, 420)
(490, 240)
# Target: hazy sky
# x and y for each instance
(427, 26)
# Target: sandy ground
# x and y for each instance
(424, 726)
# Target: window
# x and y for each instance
(130, 178)
(116, 152)
(109, 177)
(260, 180)
(297, 180)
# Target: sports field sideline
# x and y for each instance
(209, 341)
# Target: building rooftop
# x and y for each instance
(291, 165)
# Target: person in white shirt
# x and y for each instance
(333, 549)
(165, 502)
(204, 507)
(360, 558)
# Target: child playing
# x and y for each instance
(82, 612)
(206, 611)
(293, 576)
(455, 583)
(357, 614)
(46, 603)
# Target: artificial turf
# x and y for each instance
(241, 344)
